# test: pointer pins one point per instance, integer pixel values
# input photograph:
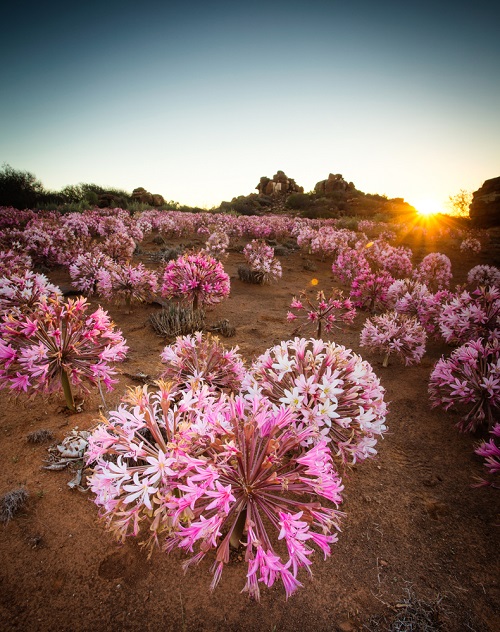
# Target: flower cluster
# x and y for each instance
(471, 315)
(59, 346)
(261, 259)
(395, 333)
(369, 290)
(484, 275)
(119, 246)
(469, 380)
(217, 245)
(203, 360)
(471, 244)
(490, 450)
(395, 261)
(13, 262)
(86, 269)
(434, 271)
(21, 292)
(327, 312)
(334, 392)
(127, 282)
(205, 472)
(349, 264)
(198, 279)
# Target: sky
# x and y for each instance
(198, 100)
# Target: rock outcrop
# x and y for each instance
(484, 210)
(144, 197)
(334, 183)
(280, 184)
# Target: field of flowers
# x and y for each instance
(265, 422)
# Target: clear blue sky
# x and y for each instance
(198, 100)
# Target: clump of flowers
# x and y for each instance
(395, 261)
(397, 334)
(483, 275)
(434, 271)
(369, 290)
(198, 279)
(471, 315)
(407, 295)
(59, 346)
(334, 392)
(13, 262)
(86, 269)
(203, 360)
(119, 246)
(262, 262)
(22, 292)
(469, 381)
(206, 473)
(349, 264)
(217, 245)
(327, 312)
(490, 450)
(471, 244)
(127, 282)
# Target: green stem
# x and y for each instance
(319, 329)
(238, 529)
(68, 395)
(385, 363)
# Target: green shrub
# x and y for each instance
(298, 201)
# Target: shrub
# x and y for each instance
(11, 503)
(177, 320)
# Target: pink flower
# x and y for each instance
(394, 333)
(469, 381)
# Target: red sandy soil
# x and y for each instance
(413, 520)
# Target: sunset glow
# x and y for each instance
(427, 207)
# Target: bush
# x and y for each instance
(19, 189)
(298, 201)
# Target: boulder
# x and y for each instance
(334, 183)
(141, 195)
(484, 209)
(158, 200)
(279, 185)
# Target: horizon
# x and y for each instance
(198, 102)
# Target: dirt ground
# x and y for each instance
(414, 522)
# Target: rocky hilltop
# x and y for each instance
(484, 210)
(332, 197)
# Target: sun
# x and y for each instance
(426, 207)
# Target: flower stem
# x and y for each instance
(195, 302)
(238, 529)
(68, 395)
(385, 363)
(127, 304)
